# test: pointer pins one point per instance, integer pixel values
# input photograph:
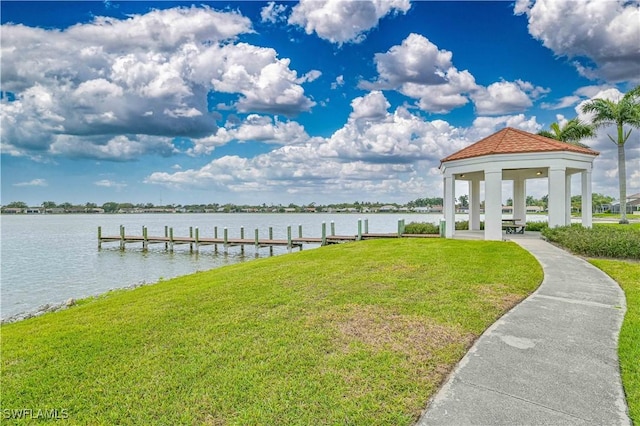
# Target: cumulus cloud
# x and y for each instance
(147, 75)
(254, 128)
(578, 95)
(601, 37)
(419, 69)
(34, 182)
(375, 151)
(506, 97)
(343, 21)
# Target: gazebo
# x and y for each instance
(515, 155)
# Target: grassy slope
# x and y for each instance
(627, 274)
(359, 333)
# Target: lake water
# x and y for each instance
(48, 259)
(51, 258)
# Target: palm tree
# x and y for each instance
(624, 112)
(572, 132)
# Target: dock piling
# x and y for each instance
(324, 233)
(359, 230)
(271, 239)
(166, 235)
(99, 237)
(289, 238)
(121, 237)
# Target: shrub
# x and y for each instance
(463, 225)
(421, 228)
(600, 241)
(536, 226)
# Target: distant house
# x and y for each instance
(34, 210)
(387, 208)
(55, 210)
(633, 205)
(12, 210)
(534, 209)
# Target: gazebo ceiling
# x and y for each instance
(514, 141)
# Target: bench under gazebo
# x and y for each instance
(515, 155)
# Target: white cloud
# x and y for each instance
(577, 96)
(505, 97)
(338, 83)
(309, 77)
(602, 37)
(418, 69)
(377, 152)
(116, 148)
(34, 182)
(143, 76)
(273, 13)
(342, 21)
(254, 128)
(110, 184)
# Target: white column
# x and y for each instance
(493, 205)
(449, 206)
(567, 189)
(519, 199)
(474, 205)
(557, 196)
(587, 212)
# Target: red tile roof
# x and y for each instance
(514, 141)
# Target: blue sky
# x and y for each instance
(312, 101)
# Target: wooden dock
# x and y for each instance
(194, 240)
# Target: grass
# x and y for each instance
(627, 274)
(360, 333)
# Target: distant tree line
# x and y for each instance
(601, 203)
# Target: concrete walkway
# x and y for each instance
(551, 360)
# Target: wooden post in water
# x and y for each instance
(289, 238)
(99, 237)
(270, 239)
(399, 228)
(366, 226)
(166, 235)
(333, 228)
(190, 236)
(242, 238)
(215, 235)
(145, 239)
(359, 230)
(197, 239)
(300, 231)
(226, 239)
(121, 237)
(324, 234)
(171, 239)
(257, 241)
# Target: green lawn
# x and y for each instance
(360, 333)
(627, 274)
